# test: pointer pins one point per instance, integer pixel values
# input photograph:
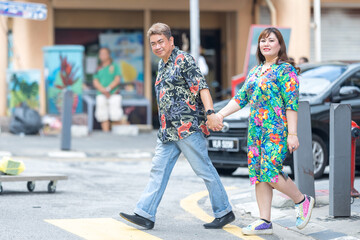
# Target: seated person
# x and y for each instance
(108, 100)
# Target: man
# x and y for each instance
(108, 101)
(182, 94)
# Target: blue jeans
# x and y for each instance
(195, 150)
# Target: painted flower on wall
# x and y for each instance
(67, 77)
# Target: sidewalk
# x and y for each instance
(96, 145)
(321, 226)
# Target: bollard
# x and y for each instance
(355, 133)
(340, 160)
(66, 119)
(90, 103)
(303, 156)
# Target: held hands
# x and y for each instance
(215, 122)
(293, 143)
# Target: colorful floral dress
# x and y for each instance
(269, 94)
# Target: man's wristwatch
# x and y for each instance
(209, 112)
(108, 89)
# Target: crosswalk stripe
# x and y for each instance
(101, 229)
(190, 204)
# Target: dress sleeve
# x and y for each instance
(242, 96)
(191, 73)
(289, 87)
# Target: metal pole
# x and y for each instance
(3, 63)
(273, 12)
(303, 157)
(195, 29)
(340, 160)
(317, 21)
(66, 119)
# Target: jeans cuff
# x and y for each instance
(144, 214)
(223, 213)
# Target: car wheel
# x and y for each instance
(225, 171)
(320, 155)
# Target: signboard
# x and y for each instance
(35, 11)
(255, 30)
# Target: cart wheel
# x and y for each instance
(30, 186)
(51, 187)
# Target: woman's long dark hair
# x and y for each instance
(282, 56)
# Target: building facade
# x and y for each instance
(224, 27)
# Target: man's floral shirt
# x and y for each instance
(177, 88)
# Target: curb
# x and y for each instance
(67, 154)
(321, 225)
(5, 154)
(135, 154)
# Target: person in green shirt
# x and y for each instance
(108, 100)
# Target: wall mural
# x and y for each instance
(63, 69)
(23, 87)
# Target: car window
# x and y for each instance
(329, 72)
(315, 80)
(354, 80)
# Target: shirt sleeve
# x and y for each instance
(97, 73)
(191, 73)
(117, 71)
(96, 76)
(289, 87)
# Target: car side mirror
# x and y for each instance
(349, 91)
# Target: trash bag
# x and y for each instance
(25, 120)
(11, 167)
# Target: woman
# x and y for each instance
(272, 90)
(108, 101)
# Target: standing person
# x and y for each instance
(204, 68)
(182, 94)
(272, 90)
(108, 101)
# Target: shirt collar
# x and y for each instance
(172, 57)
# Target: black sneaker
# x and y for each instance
(220, 222)
(138, 220)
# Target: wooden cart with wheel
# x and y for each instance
(32, 178)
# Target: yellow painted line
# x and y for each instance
(101, 229)
(190, 204)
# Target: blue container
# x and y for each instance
(64, 68)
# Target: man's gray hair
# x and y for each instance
(158, 29)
